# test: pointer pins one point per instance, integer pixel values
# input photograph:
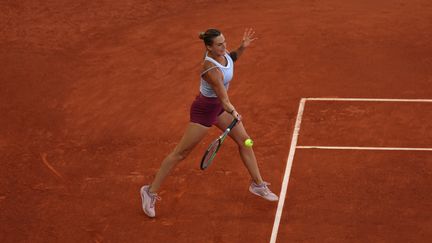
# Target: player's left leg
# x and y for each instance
(239, 135)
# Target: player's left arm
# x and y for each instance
(248, 38)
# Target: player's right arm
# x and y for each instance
(215, 78)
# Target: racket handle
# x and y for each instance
(233, 123)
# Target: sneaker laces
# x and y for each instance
(154, 197)
(264, 187)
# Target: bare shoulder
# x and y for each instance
(207, 65)
(210, 72)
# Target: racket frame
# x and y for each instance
(219, 140)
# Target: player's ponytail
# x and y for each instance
(208, 37)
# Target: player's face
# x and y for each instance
(219, 46)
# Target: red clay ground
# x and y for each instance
(361, 196)
(358, 196)
(94, 95)
(367, 124)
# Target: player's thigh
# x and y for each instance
(192, 136)
(238, 133)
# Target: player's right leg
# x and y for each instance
(193, 135)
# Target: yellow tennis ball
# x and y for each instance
(248, 142)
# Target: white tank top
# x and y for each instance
(227, 71)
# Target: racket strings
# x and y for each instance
(211, 153)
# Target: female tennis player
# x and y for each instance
(211, 107)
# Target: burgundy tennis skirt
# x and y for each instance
(205, 110)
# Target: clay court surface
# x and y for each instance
(93, 95)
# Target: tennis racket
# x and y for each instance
(210, 153)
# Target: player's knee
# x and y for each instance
(240, 140)
(181, 154)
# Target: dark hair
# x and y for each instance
(209, 35)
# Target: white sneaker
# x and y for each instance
(263, 191)
(148, 201)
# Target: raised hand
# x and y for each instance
(248, 37)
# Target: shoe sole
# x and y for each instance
(250, 189)
(142, 202)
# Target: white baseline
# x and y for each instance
(369, 100)
(363, 148)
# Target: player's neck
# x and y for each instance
(216, 56)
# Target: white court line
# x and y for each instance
(287, 171)
(363, 148)
(294, 146)
(370, 99)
